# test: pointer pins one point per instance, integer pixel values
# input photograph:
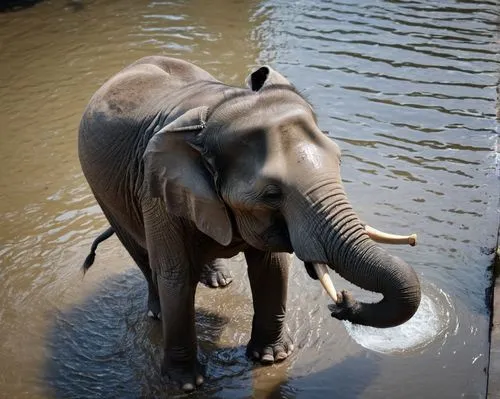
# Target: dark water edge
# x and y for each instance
(493, 381)
(16, 5)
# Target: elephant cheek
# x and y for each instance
(251, 229)
(251, 238)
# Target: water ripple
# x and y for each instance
(407, 89)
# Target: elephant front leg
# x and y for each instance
(268, 274)
(180, 362)
(176, 279)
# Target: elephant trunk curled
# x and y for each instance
(354, 256)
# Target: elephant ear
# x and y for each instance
(265, 76)
(175, 171)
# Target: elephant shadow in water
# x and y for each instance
(107, 347)
(16, 5)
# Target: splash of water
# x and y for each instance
(429, 322)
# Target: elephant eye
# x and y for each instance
(272, 196)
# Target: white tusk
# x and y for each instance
(380, 236)
(322, 271)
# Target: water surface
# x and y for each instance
(406, 88)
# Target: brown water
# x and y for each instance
(407, 88)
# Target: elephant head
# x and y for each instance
(257, 166)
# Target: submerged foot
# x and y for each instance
(187, 376)
(215, 274)
(270, 353)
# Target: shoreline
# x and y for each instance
(493, 379)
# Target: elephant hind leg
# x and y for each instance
(215, 274)
(141, 258)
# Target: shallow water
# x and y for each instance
(406, 88)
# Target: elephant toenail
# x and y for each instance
(267, 358)
(187, 387)
(151, 314)
(199, 380)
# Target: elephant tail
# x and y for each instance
(89, 260)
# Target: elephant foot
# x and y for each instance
(154, 309)
(188, 376)
(215, 274)
(270, 353)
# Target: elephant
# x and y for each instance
(189, 170)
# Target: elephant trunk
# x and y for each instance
(352, 254)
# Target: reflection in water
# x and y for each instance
(406, 88)
(107, 345)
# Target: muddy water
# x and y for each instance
(408, 91)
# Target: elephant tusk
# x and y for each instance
(322, 271)
(379, 236)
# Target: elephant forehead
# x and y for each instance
(309, 153)
(286, 116)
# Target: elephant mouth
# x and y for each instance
(277, 236)
(319, 271)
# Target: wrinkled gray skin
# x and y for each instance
(187, 170)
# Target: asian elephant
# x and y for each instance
(187, 170)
